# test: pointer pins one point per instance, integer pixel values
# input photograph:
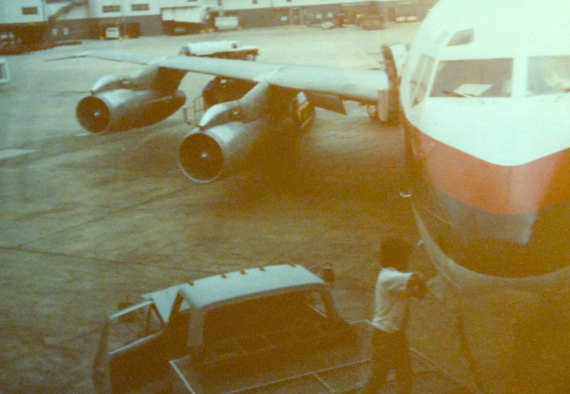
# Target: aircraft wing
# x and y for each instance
(116, 56)
(363, 86)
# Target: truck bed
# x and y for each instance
(331, 362)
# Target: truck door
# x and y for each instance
(133, 351)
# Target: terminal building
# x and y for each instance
(33, 21)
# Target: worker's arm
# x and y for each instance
(417, 285)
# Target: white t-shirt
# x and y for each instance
(391, 300)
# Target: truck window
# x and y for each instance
(315, 301)
(132, 326)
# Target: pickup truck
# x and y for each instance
(220, 49)
(261, 330)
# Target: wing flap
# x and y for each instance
(326, 101)
(357, 85)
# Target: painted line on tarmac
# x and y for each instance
(7, 153)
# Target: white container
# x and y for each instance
(4, 73)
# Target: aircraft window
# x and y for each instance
(462, 37)
(423, 81)
(414, 81)
(473, 78)
(548, 75)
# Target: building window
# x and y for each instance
(220, 3)
(254, 1)
(111, 8)
(29, 10)
(139, 7)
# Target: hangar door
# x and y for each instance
(182, 20)
(297, 15)
(183, 14)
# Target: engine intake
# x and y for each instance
(125, 109)
(205, 156)
(93, 114)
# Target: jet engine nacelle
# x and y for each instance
(230, 132)
(205, 156)
(126, 109)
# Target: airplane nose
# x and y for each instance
(523, 245)
(505, 219)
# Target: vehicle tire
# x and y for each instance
(250, 57)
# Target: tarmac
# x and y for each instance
(88, 221)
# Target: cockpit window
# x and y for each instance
(421, 78)
(462, 37)
(473, 78)
(548, 75)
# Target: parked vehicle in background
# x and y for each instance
(220, 49)
(4, 72)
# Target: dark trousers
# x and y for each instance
(390, 350)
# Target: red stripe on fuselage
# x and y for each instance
(511, 190)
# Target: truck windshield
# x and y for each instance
(473, 78)
(132, 326)
(548, 75)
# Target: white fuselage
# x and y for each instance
(486, 105)
(485, 95)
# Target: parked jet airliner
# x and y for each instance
(485, 104)
(486, 101)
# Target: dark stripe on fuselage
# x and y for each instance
(511, 190)
(516, 244)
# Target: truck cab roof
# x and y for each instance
(235, 287)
